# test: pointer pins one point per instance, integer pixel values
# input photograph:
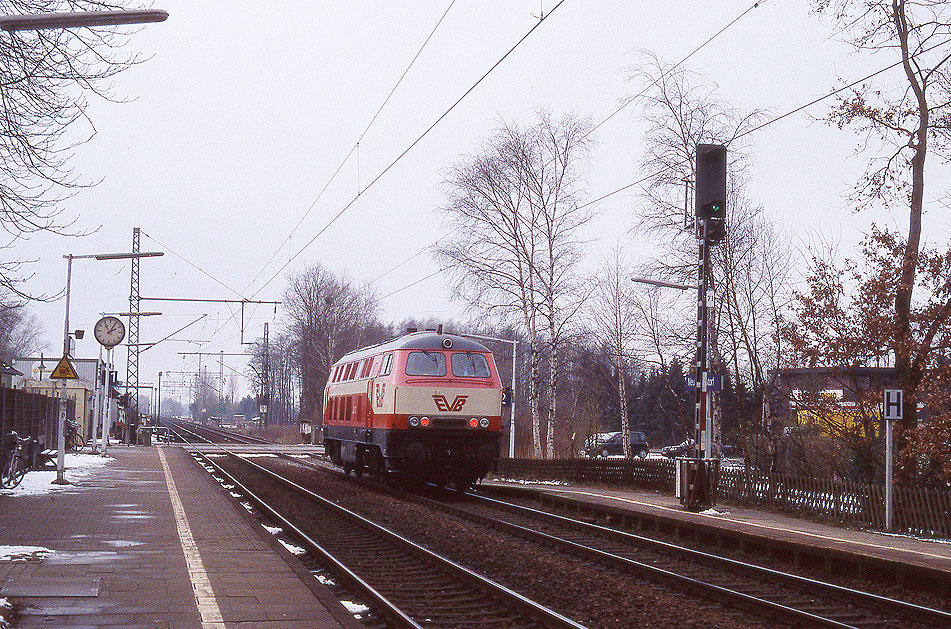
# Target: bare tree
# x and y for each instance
(751, 267)
(20, 331)
(614, 317)
(680, 111)
(909, 120)
(328, 317)
(44, 79)
(514, 216)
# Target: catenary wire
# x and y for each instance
(616, 111)
(740, 135)
(355, 145)
(399, 157)
(329, 181)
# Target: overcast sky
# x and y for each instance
(243, 112)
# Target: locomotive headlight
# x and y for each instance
(414, 422)
(423, 421)
(484, 422)
(474, 422)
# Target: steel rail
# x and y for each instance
(219, 432)
(896, 607)
(378, 600)
(540, 613)
(381, 603)
(867, 600)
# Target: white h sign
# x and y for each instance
(892, 404)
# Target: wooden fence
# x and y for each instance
(31, 415)
(922, 512)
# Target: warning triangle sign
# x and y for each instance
(64, 370)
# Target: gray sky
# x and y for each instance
(242, 114)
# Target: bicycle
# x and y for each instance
(15, 464)
(74, 441)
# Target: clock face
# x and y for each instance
(109, 331)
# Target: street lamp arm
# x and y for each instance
(644, 280)
(80, 19)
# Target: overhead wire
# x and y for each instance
(357, 143)
(326, 185)
(777, 118)
(412, 145)
(739, 135)
(617, 110)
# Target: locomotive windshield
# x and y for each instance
(467, 365)
(426, 364)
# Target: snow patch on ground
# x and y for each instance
(78, 467)
(26, 554)
(294, 548)
(6, 610)
(521, 481)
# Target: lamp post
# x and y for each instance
(82, 19)
(698, 470)
(512, 397)
(158, 402)
(79, 19)
(61, 436)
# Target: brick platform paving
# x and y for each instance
(118, 557)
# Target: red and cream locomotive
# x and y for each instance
(425, 406)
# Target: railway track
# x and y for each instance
(770, 593)
(765, 592)
(189, 432)
(406, 583)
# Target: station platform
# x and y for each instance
(901, 557)
(146, 538)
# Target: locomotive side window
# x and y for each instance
(426, 364)
(387, 365)
(467, 365)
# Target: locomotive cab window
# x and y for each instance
(426, 364)
(467, 365)
(387, 365)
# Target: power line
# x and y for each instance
(355, 144)
(617, 110)
(630, 100)
(411, 146)
(740, 135)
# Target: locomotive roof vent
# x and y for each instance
(411, 330)
(447, 342)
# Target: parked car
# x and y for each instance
(611, 443)
(681, 449)
(730, 452)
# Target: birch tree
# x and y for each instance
(614, 319)
(750, 284)
(513, 216)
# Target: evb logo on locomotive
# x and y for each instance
(443, 404)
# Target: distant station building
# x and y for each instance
(34, 377)
(7, 376)
(829, 398)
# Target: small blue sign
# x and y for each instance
(714, 382)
